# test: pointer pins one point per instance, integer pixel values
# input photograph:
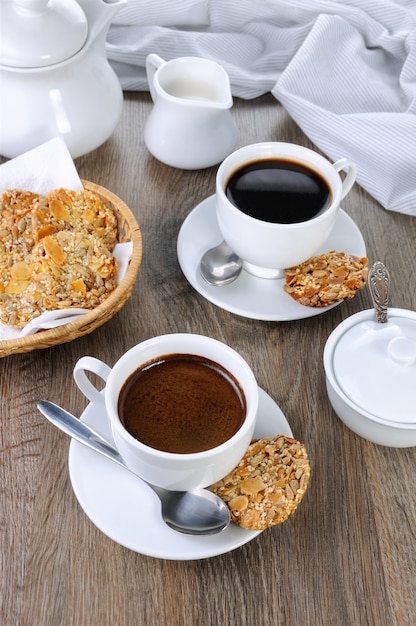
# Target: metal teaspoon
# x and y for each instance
(379, 283)
(220, 265)
(196, 512)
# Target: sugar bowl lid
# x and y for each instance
(38, 33)
(373, 357)
(375, 364)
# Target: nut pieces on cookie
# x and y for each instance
(55, 252)
(268, 483)
(326, 279)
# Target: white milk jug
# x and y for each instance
(190, 125)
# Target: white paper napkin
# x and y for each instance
(345, 70)
(40, 170)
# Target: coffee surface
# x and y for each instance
(278, 191)
(182, 403)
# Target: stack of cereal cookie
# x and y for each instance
(55, 252)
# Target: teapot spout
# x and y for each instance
(99, 14)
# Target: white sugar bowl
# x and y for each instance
(371, 376)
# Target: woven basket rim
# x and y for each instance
(86, 323)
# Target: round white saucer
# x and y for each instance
(249, 296)
(128, 511)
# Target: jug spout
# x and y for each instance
(189, 81)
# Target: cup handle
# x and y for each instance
(347, 183)
(153, 62)
(95, 366)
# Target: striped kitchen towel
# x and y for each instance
(345, 70)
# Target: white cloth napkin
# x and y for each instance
(44, 168)
(345, 70)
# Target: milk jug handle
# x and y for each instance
(153, 62)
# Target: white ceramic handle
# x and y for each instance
(347, 183)
(153, 62)
(95, 366)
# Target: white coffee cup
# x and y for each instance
(165, 469)
(268, 248)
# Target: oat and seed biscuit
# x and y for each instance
(326, 279)
(268, 483)
(85, 209)
(55, 252)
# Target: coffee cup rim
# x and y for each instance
(161, 454)
(263, 151)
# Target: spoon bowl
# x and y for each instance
(220, 265)
(196, 512)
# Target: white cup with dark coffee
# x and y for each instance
(277, 204)
(182, 408)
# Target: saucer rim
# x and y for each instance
(81, 460)
(215, 295)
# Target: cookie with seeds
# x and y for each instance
(268, 483)
(83, 209)
(326, 279)
(55, 252)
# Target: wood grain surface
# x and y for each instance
(346, 557)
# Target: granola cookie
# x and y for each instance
(268, 483)
(326, 279)
(55, 252)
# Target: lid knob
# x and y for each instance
(402, 350)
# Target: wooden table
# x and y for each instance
(347, 556)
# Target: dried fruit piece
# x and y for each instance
(79, 285)
(59, 210)
(20, 271)
(16, 286)
(54, 250)
(252, 485)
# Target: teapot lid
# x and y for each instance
(38, 33)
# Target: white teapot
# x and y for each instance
(54, 74)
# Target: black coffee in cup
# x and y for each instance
(281, 191)
(182, 403)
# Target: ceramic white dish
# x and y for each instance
(191, 125)
(55, 77)
(250, 296)
(180, 472)
(370, 375)
(128, 512)
(267, 247)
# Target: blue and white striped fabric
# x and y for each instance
(345, 70)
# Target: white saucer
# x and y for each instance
(127, 511)
(248, 296)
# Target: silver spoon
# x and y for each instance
(379, 283)
(196, 512)
(220, 265)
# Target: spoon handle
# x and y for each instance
(379, 283)
(73, 427)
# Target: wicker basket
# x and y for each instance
(128, 231)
